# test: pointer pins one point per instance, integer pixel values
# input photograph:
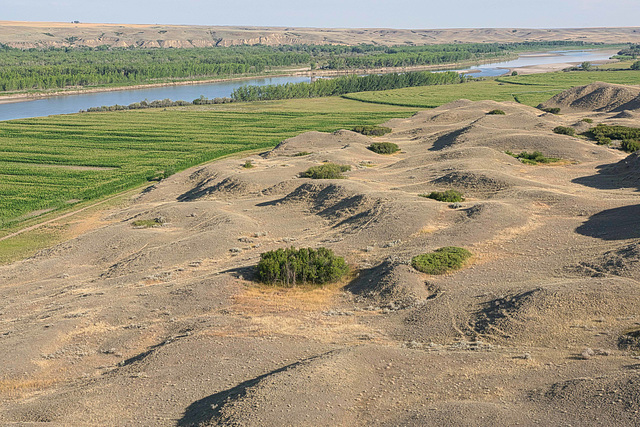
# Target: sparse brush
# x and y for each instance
(326, 171)
(301, 153)
(291, 267)
(564, 130)
(449, 196)
(384, 147)
(148, 223)
(533, 158)
(441, 260)
(248, 164)
(497, 112)
(372, 130)
(587, 120)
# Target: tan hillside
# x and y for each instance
(164, 326)
(598, 96)
(56, 34)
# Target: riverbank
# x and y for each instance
(297, 72)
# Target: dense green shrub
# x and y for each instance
(384, 147)
(630, 145)
(290, 267)
(497, 112)
(635, 65)
(564, 130)
(587, 120)
(441, 260)
(372, 130)
(449, 196)
(326, 171)
(533, 158)
(248, 164)
(613, 132)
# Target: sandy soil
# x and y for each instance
(164, 326)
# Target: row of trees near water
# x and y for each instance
(56, 68)
(342, 85)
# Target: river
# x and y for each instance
(66, 104)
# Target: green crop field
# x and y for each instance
(530, 89)
(56, 162)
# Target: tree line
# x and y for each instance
(343, 85)
(55, 68)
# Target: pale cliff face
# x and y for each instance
(27, 35)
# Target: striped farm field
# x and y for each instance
(53, 163)
(530, 89)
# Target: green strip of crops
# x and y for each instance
(527, 89)
(48, 163)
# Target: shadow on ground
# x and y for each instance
(613, 224)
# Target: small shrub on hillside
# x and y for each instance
(635, 65)
(630, 145)
(326, 171)
(291, 267)
(449, 196)
(587, 120)
(603, 140)
(441, 260)
(301, 153)
(148, 223)
(372, 130)
(533, 158)
(384, 147)
(248, 164)
(554, 110)
(497, 112)
(564, 130)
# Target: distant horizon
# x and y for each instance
(397, 14)
(312, 27)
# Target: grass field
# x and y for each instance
(529, 89)
(56, 162)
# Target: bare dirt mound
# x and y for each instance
(155, 317)
(598, 96)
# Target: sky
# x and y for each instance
(415, 14)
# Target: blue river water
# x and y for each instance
(66, 104)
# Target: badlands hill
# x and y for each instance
(598, 96)
(164, 326)
(56, 34)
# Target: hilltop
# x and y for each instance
(126, 325)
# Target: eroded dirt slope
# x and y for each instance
(163, 326)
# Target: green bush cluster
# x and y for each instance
(384, 147)
(587, 120)
(372, 130)
(564, 130)
(248, 164)
(533, 158)
(290, 267)
(449, 196)
(441, 260)
(635, 65)
(603, 134)
(497, 112)
(326, 171)
(630, 145)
